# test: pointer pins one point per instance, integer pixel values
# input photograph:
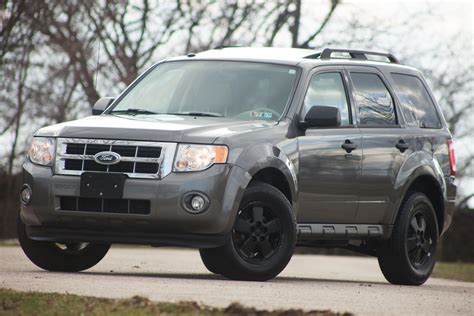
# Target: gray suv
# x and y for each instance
(246, 153)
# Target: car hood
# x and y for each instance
(166, 128)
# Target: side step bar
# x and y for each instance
(343, 231)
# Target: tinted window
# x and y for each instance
(417, 106)
(327, 89)
(374, 102)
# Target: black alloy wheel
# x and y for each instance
(71, 248)
(409, 256)
(420, 240)
(262, 239)
(257, 233)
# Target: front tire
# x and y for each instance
(211, 259)
(263, 237)
(69, 257)
(409, 256)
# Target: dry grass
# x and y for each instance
(455, 271)
(34, 303)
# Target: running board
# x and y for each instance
(343, 231)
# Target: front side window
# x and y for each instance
(417, 106)
(374, 102)
(327, 89)
(235, 90)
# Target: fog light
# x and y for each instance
(195, 202)
(198, 203)
(25, 195)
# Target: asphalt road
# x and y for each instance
(343, 284)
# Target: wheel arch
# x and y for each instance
(276, 178)
(269, 164)
(424, 181)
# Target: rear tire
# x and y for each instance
(263, 237)
(409, 256)
(70, 257)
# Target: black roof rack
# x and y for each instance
(225, 46)
(355, 54)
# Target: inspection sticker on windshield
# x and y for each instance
(261, 114)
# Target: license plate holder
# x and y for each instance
(102, 185)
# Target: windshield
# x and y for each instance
(239, 90)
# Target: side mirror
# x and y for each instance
(101, 105)
(322, 116)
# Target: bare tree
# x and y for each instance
(61, 23)
(19, 102)
(52, 52)
(12, 35)
(119, 39)
(294, 28)
(17, 46)
(131, 32)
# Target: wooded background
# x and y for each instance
(58, 57)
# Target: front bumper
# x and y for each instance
(168, 222)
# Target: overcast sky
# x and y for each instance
(448, 18)
(451, 16)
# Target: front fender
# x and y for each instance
(259, 157)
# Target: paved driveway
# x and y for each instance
(341, 284)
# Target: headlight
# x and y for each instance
(41, 151)
(198, 157)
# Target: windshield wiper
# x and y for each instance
(210, 114)
(134, 111)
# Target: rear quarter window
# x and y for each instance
(417, 106)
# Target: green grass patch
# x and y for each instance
(9, 243)
(455, 271)
(34, 303)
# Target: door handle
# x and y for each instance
(402, 146)
(348, 146)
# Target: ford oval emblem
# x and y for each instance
(107, 158)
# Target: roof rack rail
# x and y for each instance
(225, 46)
(355, 54)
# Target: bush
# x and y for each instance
(9, 204)
(458, 243)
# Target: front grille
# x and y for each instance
(122, 166)
(97, 205)
(138, 159)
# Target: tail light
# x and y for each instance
(452, 159)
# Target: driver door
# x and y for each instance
(328, 173)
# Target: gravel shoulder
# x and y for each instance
(310, 282)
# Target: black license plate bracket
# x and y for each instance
(102, 185)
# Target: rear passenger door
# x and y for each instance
(329, 174)
(385, 144)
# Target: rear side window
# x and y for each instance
(417, 105)
(374, 102)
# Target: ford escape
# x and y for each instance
(245, 154)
